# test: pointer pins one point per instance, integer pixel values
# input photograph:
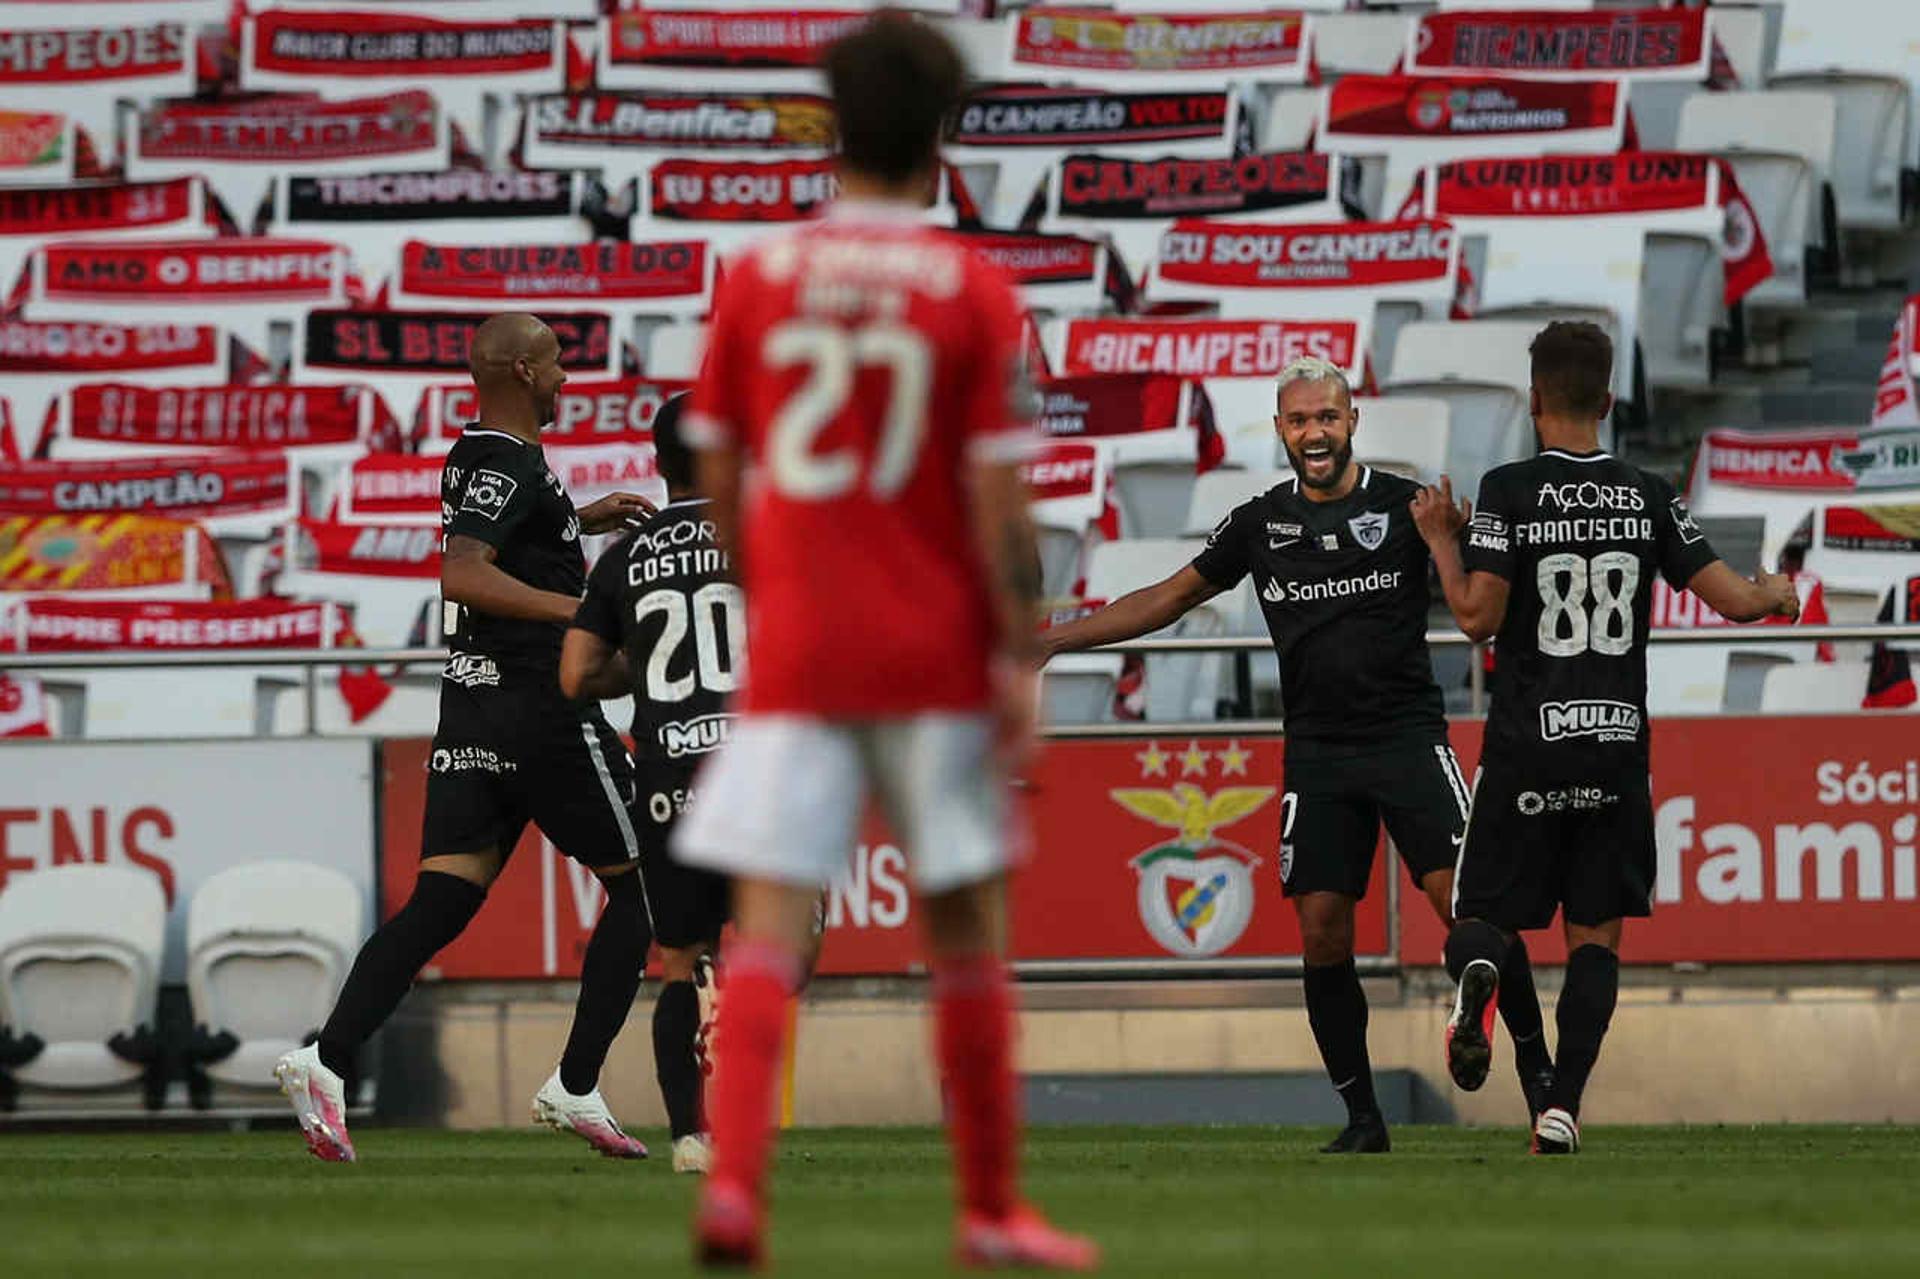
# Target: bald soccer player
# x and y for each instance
(510, 749)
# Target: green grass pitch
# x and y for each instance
(1694, 1203)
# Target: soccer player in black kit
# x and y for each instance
(510, 749)
(663, 620)
(1559, 565)
(1341, 573)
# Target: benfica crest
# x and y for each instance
(1196, 890)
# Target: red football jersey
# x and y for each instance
(861, 363)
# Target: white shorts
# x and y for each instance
(783, 798)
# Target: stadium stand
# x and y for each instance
(267, 948)
(238, 287)
(79, 980)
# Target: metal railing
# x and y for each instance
(311, 662)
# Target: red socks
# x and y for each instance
(761, 978)
(973, 1035)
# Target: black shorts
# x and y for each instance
(503, 758)
(1331, 814)
(689, 904)
(1536, 845)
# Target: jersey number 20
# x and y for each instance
(719, 617)
(1566, 629)
(832, 356)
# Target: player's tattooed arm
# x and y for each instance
(1010, 550)
(591, 667)
(1743, 599)
(469, 577)
(1132, 615)
(1478, 600)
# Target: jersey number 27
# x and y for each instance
(832, 356)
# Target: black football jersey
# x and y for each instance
(1579, 537)
(1343, 585)
(497, 487)
(663, 594)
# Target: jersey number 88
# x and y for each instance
(1566, 630)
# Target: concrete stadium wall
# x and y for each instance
(1843, 1048)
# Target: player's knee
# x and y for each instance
(479, 869)
(677, 963)
(1326, 928)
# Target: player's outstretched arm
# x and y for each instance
(1478, 601)
(470, 578)
(1742, 599)
(1132, 615)
(591, 667)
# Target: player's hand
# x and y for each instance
(1435, 514)
(614, 511)
(1782, 599)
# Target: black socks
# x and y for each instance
(1586, 1006)
(676, 1020)
(1473, 939)
(1520, 1010)
(1337, 1011)
(609, 979)
(440, 908)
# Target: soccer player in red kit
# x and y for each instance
(860, 416)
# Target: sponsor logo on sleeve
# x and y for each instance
(1489, 532)
(1598, 718)
(488, 493)
(1683, 523)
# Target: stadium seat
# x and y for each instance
(1290, 119)
(268, 945)
(1180, 686)
(411, 708)
(1077, 688)
(1681, 303)
(1781, 147)
(1405, 434)
(80, 952)
(1370, 43)
(1872, 143)
(1807, 688)
(673, 350)
(226, 701)
(1480, 368)
(1686, 679)
(1217, 493)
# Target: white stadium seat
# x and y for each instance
(1781, 147)
(1808, 688)
(673, 350)
(1077, 688)
(1481, 369)
(1405, 434)
(1180, 686)
(1370, 43)
(268, 945)
(1217, 493)
(80, 950)
(1872, 144)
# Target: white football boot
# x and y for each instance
(588, 1116)
(319, 1100)
(1556, 1133)
(693, 1153)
